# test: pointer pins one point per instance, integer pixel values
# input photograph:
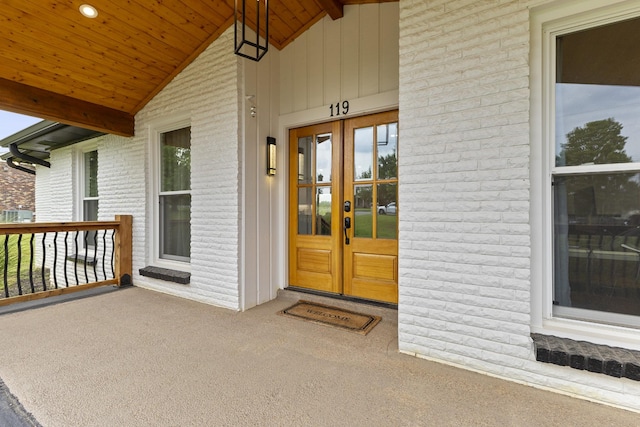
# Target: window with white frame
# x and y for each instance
(593, 153)
(89, 193)
(174, 195)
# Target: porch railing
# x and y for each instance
(38, 260)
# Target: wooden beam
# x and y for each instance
(23, 99)
(52, 227)
(334, 8)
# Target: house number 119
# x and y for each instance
(339, 108)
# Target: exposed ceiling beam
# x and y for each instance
(23, 99)
(334, 8)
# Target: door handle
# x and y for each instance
(347, 225)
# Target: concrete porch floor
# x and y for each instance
(133, 357)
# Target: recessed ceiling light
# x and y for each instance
(88, 11)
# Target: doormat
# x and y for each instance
(332, 316)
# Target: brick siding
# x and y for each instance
(17, 189)
(55, 187)
(464, 238)
(207, 91)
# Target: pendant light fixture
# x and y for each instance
(244, 43)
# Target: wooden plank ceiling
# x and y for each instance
(98, 73)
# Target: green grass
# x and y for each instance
(13, 258)
(387, 226)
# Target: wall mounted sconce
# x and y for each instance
(250, 49)
(271, 156)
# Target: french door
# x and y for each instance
(343, 207)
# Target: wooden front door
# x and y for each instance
(343, 207)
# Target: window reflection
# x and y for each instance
(597, 242)
(598, 95)
(597, 124)
(387, 138)
(323, 158)
(174, 196)
(387, 211)
(304, 211)
(596, 256)
(314, 164)
(363, 217)
(323, 211)
(363, 154)
(305, 159)
(176, 160)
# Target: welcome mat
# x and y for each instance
(332, 316)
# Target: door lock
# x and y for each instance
(347, 225)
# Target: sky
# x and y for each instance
(11, 123)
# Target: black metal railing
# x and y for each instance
(43, 259)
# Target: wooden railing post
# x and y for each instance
(124, 248)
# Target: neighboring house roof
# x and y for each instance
(34, 144)
(98, 73)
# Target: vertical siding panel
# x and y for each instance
(350, 52)
(250, 191)
(267, 89)
(286, 81)
(331, 61)
(275, 209)
(299, 67)
(389, 36)
(315, 73)
(368, 58)
(346, 59)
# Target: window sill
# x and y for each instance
(166, 274)
(602, 359)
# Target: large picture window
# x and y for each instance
(175, 195)
(595, 172)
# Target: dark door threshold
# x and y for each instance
(342, 297)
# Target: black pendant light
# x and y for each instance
(252, 49)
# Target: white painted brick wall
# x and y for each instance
(464, 191)
(56, 184)
(122, 166)
(207, 91)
